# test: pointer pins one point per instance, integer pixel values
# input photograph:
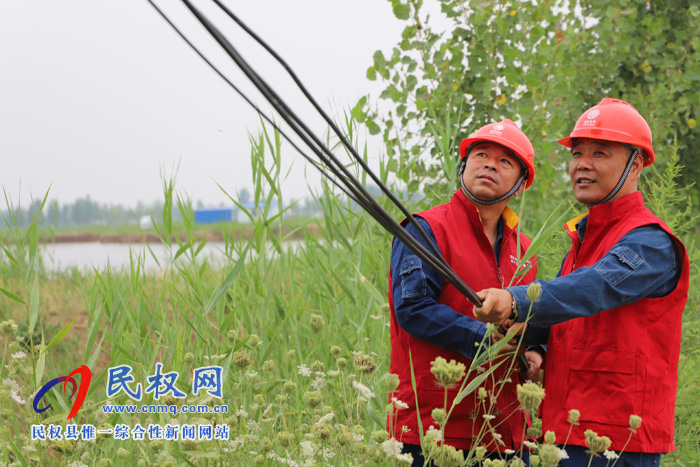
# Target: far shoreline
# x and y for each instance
(288, 233)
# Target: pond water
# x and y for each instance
(91, 255)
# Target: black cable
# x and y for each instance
(332, 124)
(363, 198)
(326, 155)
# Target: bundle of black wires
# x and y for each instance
(327, 163)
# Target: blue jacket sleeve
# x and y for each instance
(416, 289)
(644, 263)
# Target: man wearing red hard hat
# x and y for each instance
(475, 232)
(612, 319)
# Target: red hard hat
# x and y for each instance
(614, 120)
(507, 134)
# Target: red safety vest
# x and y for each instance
(622, 361)
(463, 243)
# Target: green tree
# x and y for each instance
(540, 65)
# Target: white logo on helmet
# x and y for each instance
(590, 118)
(497, 130)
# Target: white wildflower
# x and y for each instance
(282, 460)
(18, 355)
(308, 449)
(237, 443)
(364, 390)
(333, 373)
(399, 404)
(509, 451)
(318, 384)
(610, 455)
(328, 417)
(328, 453)
(304, 370)
(357, 352)
(405, 429)
(375, 317)
(434, 434)
(392, 447)
(17, 398)
(33, 395)
(14, 390)
(252, 426)
(251, 374)
(497, 437)
(530, 444)
(11, 384)
(241, 413)
(488, 417)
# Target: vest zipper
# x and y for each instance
(500, 278)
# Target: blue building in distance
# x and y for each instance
(213, 215)
(230, 213)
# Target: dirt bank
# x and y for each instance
(152, 237)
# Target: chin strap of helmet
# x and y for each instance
(623, 178)
(487, 202)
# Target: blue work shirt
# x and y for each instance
(419, 313)
(608, 284)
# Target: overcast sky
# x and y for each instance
(97, 96)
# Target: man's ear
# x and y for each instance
(636, 169)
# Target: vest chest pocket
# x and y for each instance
(618, 264)
(602, 385)
(412, 277)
